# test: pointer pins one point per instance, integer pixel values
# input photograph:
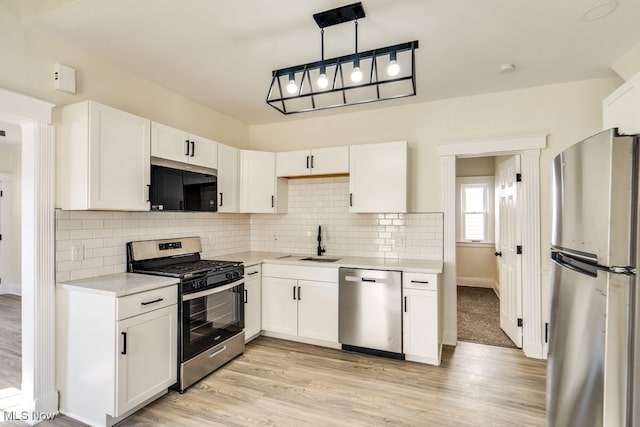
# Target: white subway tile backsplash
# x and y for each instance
(324, 201)
(312, 202)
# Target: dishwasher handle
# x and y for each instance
(366, 279)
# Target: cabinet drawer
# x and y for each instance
(420, 281)
(318, 274)
(252, 272)
(135, 304)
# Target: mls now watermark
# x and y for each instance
(28, 416)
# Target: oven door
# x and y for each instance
(211, 316)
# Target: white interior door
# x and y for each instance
(508, 239)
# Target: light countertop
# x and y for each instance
(119, 284)
(406, 265)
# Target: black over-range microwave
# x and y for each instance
(182, 190)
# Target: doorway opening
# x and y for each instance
(10, 266)
(528, 148)
(482, 229)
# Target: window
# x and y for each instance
(475, 209)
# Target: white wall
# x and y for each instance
(10, 265)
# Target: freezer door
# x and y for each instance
(575, 369)
(594, 199)
(588, 369)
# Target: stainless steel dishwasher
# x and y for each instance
(370, 311)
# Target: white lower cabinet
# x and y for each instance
(422, 318)
(114, 354)
(146, 361)
(252, 302)
(296, 306)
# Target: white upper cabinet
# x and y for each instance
(322, 161)
(260, 190)
(180, 146)
(228, 178)
(621, 109)
(103, 160)
(378, 177)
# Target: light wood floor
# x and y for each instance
(10, 342)
(284, 383)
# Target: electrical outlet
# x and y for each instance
(399, 240)
(77, 253)
(275, 237)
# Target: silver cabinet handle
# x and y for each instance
(217, 352)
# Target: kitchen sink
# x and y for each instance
(320, 259)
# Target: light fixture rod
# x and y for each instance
(356, 22)
(322, 45)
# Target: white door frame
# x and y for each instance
(528, 146)
(38, 250)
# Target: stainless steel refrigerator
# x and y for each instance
(592, 371)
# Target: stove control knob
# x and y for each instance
(229, 275)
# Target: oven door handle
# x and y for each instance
(189, 297)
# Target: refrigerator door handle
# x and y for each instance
(574, 264)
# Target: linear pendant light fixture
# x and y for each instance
(358, 78)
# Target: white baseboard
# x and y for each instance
(476, 282)
(11, 288)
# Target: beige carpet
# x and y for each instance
(479, 317)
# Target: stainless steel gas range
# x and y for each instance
(210, 302)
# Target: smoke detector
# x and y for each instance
(507, 68)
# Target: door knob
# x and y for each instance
(498, 253)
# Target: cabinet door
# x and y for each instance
(420, 323)
(252, 308)
(293, 163)
(204, 152)
(279, 305)
(318, 310)
(621, 109)
(169, 143)
(257, 181)
(146, 356)
(333, 160)
(228, 178)
(378, 177)
(119, 172)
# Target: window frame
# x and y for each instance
(488, 182)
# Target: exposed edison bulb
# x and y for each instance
(292, 87)
(394, 68)
(356, 75)
(323, 82)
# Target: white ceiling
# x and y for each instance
(221, 53)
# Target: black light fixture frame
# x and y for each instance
(349, 13)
